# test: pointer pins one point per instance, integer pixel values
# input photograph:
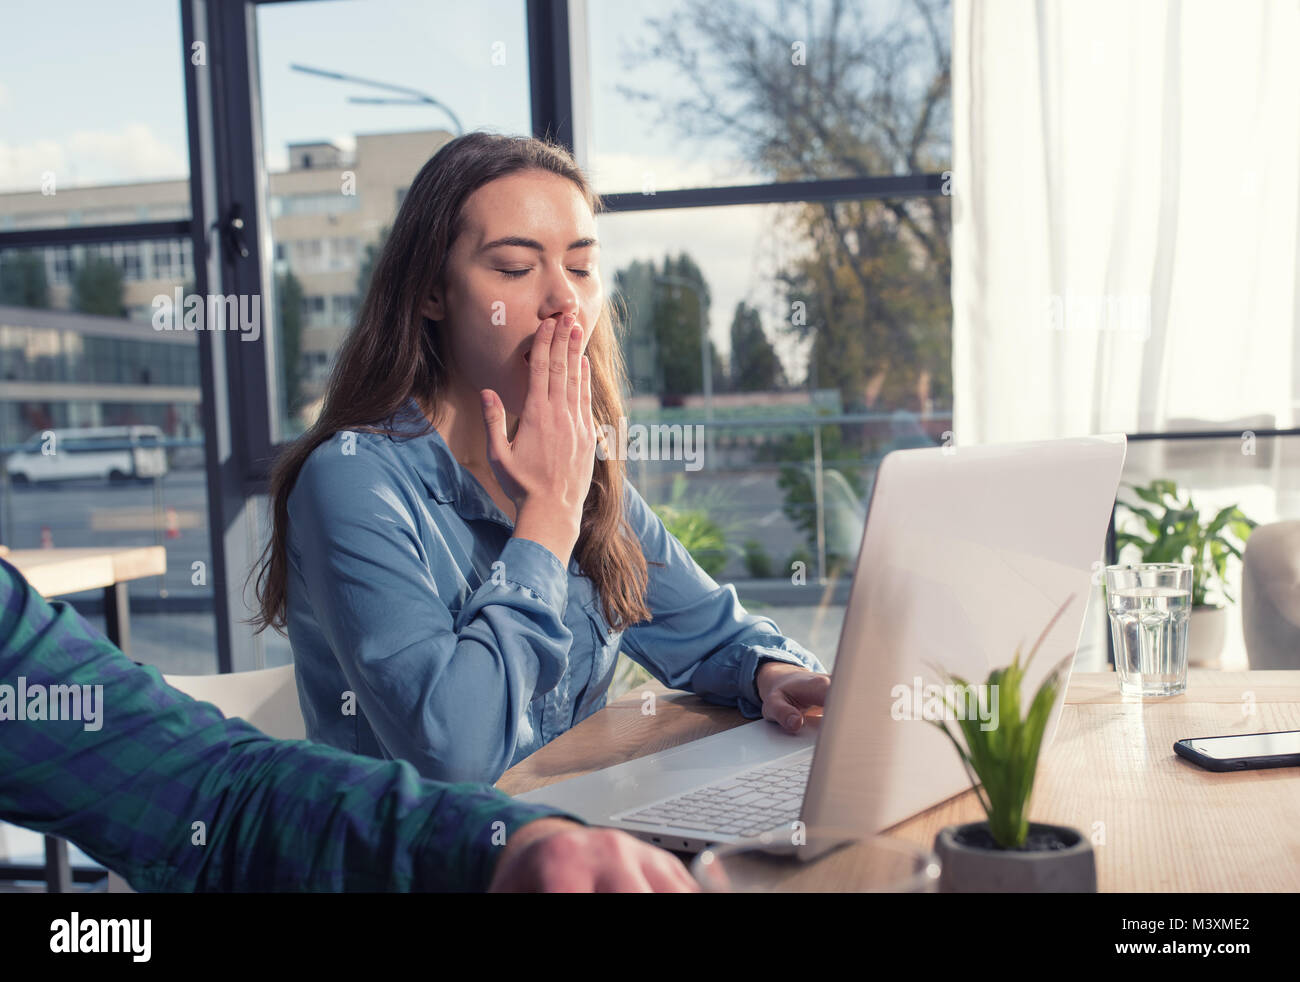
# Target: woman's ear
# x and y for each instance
(432, 308)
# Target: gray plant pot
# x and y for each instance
(976, 869)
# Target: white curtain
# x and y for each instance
(1126, 214)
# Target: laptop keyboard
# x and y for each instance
(753, 801)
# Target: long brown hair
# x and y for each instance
(394, 353)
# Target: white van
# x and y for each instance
(110, 453)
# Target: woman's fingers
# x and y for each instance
(539, 364)
(574, 394)
(559, 363)
(494, 419)
(555, 428)
(584, 407)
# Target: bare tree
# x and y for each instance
(820, 90)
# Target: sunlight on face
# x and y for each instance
(527, 252)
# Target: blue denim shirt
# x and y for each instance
(423, 631)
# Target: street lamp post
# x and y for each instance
(416, 97)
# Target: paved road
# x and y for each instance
(82, 514)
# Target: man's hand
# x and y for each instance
(554, 855)
(789, 692)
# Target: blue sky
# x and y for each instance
(94, 90)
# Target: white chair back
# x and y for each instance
(1270, 596)
(267, 698)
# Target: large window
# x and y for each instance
(94, 191)
(776, 232)
(779, 242)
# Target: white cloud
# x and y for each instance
(91, 157)
(613, 172)
(133, 153)
(21, 167)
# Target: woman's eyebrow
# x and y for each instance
(519, 240)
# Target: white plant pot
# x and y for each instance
(1206, 634)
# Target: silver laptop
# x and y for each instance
(967, 553)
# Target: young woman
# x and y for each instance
(456, 563)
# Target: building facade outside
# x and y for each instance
(63, 368)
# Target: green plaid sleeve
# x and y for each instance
(173, 796)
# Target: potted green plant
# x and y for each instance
(1174, 533)
(1007, 853)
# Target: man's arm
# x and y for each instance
(173, 796)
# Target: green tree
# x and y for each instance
(755, 366)
(663, 317)
(877, 319)
(97, 288)
(633, 295)
(678, 312)
(288, 309)
(22, 280)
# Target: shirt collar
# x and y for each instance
(443, 476)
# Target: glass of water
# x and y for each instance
(1150, 606)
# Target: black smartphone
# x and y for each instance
(1243, 750)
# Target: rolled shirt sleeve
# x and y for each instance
(445, 691)
(700, 637)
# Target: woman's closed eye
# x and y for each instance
(515, 273)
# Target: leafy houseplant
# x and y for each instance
(1178, 528)
(1006, 853)
(1175, 533)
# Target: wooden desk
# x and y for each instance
(1158, 822)
(58, 572)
